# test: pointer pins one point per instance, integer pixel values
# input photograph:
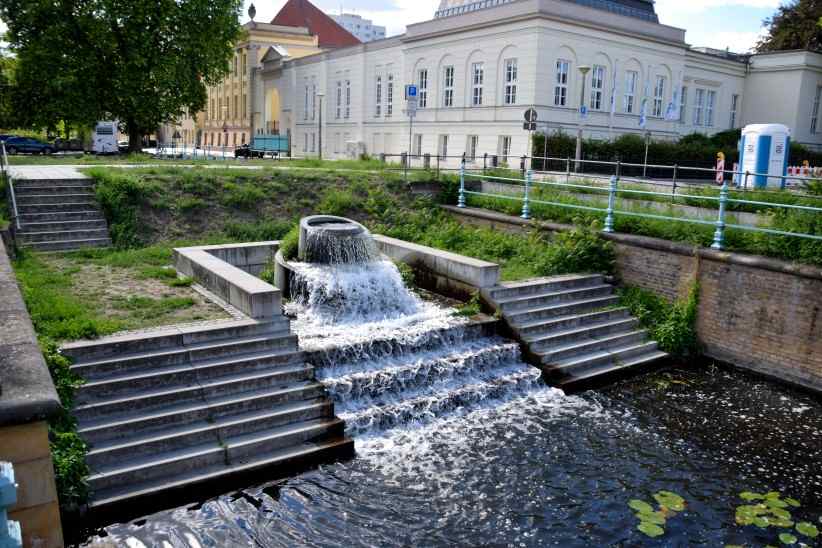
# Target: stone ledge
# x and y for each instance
(27, 392)
(658, 244)
(470, 271)
(249, 294)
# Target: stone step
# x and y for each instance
(64, 225)
(542, 298)
(157, 398)
(67, 245)
(603, 374)
(579, 364)
(288, 364)
(47, 183)
(583, 331)
(172, 337)
(104, 429)
(77, 188)
(542, 326)
(62, 235)
(269, 465)
(43, 199)
(171, 464)
(508, 290)
(195, 352)
(62, 216)
(58, 207)
(138, 444)
(525, 316)
(604, 342)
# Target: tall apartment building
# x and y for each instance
(364, 29)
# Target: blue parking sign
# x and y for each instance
(410, 91)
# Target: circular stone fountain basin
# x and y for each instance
(326, 239)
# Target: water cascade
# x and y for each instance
(387, 356)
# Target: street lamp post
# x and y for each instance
(583, 69)
(320, 124)
(225, 137)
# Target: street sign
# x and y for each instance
(411, 107)
(410, 91)
(530, 115)
(583, 111)
(529, 126)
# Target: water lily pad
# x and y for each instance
(787, 538)
(651, 529)
(761, 522)
(747, 495)
(657, 518)
(779, 522)
(640, 506)
(772, 495)
(792, 502)
(776, 503)
(670, 500)
(808, 529)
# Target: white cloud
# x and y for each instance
(694, 6)
(736, 41)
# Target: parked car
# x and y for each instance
(4, 137)
(15, 145)
(244, 151)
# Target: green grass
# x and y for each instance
(145, 308)
(671, 325)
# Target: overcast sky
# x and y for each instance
(735, 24)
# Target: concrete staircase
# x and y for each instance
(178, 411)
(572, 328)
(59, 215)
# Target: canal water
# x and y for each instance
(539, 468)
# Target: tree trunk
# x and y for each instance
(135, 138)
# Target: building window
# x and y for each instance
(597, 83)
(630, 90)
(336, 143)
(305, 143)
(313, 101)
(504, 147)
(389, 96)
(313, 142)
(245, 63)
(477, 77)
(699, 105)
(815, 109)
(659, 96)
(338, 102)
(561, 87)
(245, 106)
(734, 107)
(378, 98)
(305, 108)
(422, 80)
(443, 146)
(709, 108)
(417, 150)
(471, 147)
(448, 88)
(683, 104)
(236, 113)
(511, 81)
(236, 59)
(348, 98)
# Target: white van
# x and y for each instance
(104, 138)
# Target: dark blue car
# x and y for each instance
(15, 145)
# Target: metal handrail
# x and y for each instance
(611, 211)
(4, 167)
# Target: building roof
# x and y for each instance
(302, 13)
(640, 9)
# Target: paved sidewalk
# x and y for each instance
(41, 172)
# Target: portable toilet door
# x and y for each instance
(764, 152)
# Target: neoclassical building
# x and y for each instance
(480, 65)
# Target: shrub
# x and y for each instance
(189, 204)
(336, 202)
(257, 231)
(472, 307)
(672, 325)
(290, 243)
(120, 195)
(242, 196)
(578, 250)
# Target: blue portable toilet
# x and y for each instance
(764, 151)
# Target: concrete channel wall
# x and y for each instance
(27, 399)
(760, 314)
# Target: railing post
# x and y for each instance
(673, 191)
(461, 199)
(10, 534)
(719, 233)
(567, 169)
(618, 169)
(609, 213)
(526, 212)
(745, 182)
(484, 162)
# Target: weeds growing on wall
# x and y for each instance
(671, 325)
(290, 243)
(121, 194)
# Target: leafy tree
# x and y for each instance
(795, 25)
(143, 62)
(6, 72)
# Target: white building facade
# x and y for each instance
(479, 66)
(364, 29)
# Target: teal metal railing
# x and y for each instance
(6, 177)
(527, 184)
(10, 536)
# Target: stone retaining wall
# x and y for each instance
(27, 399)
(756, 313)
